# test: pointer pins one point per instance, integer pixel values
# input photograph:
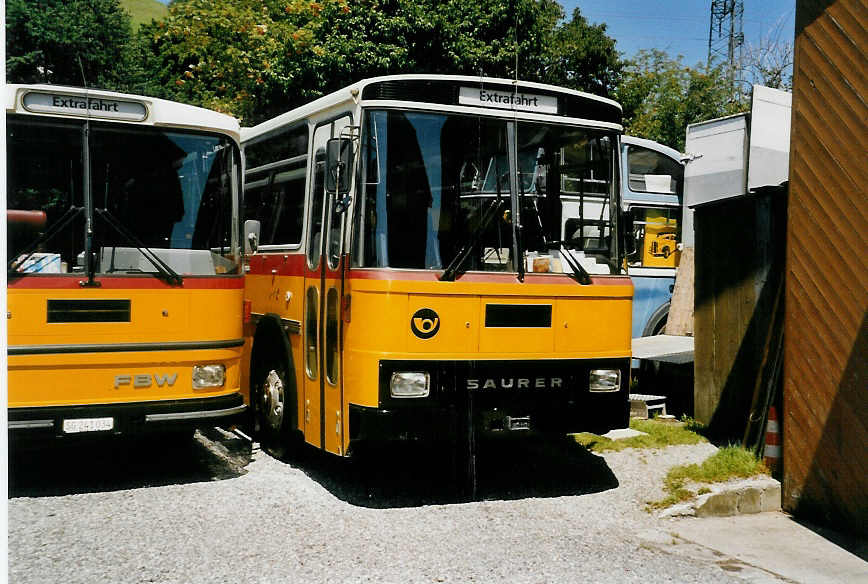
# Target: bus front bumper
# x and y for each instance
(125, 418)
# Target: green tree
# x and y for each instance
(582, 56)
(59, 41)
(258, 58)
(233, 56)
(495, 38)
(660, 96)
(381, 37)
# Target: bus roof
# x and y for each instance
(652, 145)
(80, 102)
(448, 90)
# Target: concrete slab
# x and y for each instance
(777, 545)
(621, 433)
(736, 497)
(667, 348)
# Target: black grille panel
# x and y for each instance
(518, 315)
(88, 311)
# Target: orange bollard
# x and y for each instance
(772, 452)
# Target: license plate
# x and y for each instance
(88, 425)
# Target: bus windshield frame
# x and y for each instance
(96, 198)
(450, 191)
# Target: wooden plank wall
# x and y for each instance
(738, 270)
(825, 417)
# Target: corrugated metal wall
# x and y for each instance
(825, 425)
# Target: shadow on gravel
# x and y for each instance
(115, 463)
(416, 475)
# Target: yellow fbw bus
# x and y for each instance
(437, 257)
(125, 288)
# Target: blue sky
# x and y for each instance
(679, 28)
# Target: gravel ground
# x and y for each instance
(214, 509)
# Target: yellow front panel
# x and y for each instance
(587, 322)
(103, 378)
(457, 324)
(498, 340)
(70, 376)
(592, 327)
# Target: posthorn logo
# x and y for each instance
(425, 323)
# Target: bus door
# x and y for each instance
(323, 388)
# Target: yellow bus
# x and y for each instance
(437, 258)
(125, 287)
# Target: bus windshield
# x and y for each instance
(148, 192)
(443, 186)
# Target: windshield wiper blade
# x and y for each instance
(579, 273)
(163, 269)
(452, 270)
(62, 222)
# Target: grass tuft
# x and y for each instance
(659, 434)
(730, 462)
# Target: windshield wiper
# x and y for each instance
(163, 269)
(62, 222)
(490, 212)
(579, 274)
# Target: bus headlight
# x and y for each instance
(601, 380)
(410, 384)
(208, 376)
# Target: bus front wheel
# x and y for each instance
(270, 405)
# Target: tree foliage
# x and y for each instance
(582, 56)
(73, 42)
(256, 58)
(232, 56)
(660, 96)
(378, 37)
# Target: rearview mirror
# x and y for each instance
(251, 236)
(339, 158)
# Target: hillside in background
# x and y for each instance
(143, 11)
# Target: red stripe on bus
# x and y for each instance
(278, 264)
(73, 282)
(492, 278)
(286, 264)
(295, 264)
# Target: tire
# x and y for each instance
(656, 324)
(270, 416)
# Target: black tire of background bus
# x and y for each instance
(657, 323)
(272, 352)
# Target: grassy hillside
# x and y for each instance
(144, 11)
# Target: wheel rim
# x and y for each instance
(273, 399)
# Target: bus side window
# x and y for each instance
(336, 220)
(257, 195)
(274, 185)
(653, 172)
(287, 195)
(317, 200)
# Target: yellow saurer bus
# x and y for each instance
(125, 288)
(437, 257)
